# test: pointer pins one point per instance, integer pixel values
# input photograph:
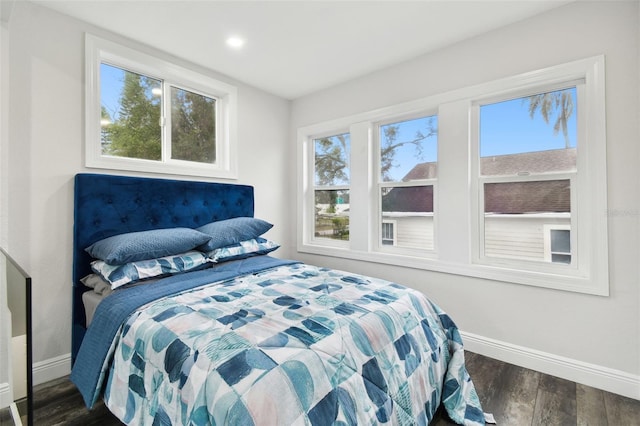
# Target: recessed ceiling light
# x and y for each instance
(235, 42)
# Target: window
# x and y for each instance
(557, 244)
(145, 114)
(332, 157)
(527, 165)
(388, 233)
(505, 181)
(408, 170)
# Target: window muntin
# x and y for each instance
(148, 115)
(408, 153)
(331, 181)
(523, 143)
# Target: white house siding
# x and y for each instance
(519, 236)
(413, 231)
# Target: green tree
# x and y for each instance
(136, 133)
(558, 103)
(331, 160)
(193, 127)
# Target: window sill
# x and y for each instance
(545, 279)
(137, 165)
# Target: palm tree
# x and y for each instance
(559, 103)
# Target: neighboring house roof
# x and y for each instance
(422, 171)
(409, 199)
(541, 196)
(553, 160)
(505, 197)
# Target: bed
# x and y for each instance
(236, 335)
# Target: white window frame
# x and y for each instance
(98, 51)
(377, 142)
(588, 271)
(478, 181)
(457, 235)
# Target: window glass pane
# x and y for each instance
(130, 114)
(193, 126)
(560, 241)
(411, 210)
(515, 215)
(561, 258)
(332, 160)
(533, 134)
(332, 214)
(409, 150)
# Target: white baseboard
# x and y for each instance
(43, 371)
(607, 379)
(51, 369)
(5, 395)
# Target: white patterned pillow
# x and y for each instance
(242, 250)
(119, 275)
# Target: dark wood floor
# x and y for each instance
(514, 395)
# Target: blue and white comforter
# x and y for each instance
(292, 344)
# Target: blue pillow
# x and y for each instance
(134, 246)
(231, 231)
(242, 250)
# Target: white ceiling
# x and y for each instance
(297, 47)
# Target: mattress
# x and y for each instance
(90, 301)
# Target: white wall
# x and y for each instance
(599, 334)
(45, 149)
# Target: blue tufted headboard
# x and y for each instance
(107, 205)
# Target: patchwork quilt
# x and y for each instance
(290, 345)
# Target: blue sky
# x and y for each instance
(111, 81)
(505, 128)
